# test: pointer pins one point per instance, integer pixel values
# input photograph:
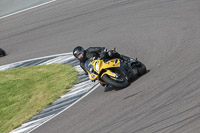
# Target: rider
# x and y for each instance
(101, 52)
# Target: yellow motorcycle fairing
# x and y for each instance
(100, 65)
(108, 72)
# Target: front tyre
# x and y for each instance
(122, 83)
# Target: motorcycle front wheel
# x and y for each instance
(119, 83)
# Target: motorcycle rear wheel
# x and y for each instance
(114, 83)
(141, 69)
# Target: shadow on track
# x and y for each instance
(110, 88)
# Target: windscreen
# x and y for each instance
(88, 66)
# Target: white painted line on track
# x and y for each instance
(67, 107)
(27, 9)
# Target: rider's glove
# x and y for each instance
(110, 53)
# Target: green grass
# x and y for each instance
(25, 91)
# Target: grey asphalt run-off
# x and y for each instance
(163, 34)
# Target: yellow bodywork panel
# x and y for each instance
(92, 76)
(108, 72)
(99, 65)
(109, 64)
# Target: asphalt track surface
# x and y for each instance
(164, 34)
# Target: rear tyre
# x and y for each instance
(141, 68)
(119, 84)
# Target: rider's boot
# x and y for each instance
(104, 85)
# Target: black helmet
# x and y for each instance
(79, 53)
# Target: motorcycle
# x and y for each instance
(114, 72)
